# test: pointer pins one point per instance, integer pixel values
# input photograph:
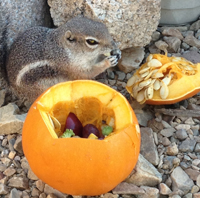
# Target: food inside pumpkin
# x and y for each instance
(68, 118)
(164, 80)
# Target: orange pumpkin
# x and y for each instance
(164, 80)
(80, 166)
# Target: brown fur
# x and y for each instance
(55, 55)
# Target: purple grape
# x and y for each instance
(88, 129)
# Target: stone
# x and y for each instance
(40, 185)
(12, 155)
(181, 134)
(31, 175)
(192, 41)
(143, 116)
(195, 26)
(149, 192)
(187, 145)
(127, 188)
(162, 45)
(2, 96)
(35, 192)
(155, 36)
(10, 121)
(19, 183)
(164, 189)
(196, 195)
(195, 189)
(155, 125)
(180, 180)
(192, 56)
(52, 196)
(148, 148)
(165, 124)
(185, 46)
(165, 141)
(3, 189)
(135, 20)
(153, 49)
(144, 174)
(198, 180)
(9, 171)
(172, 149)
(14, 193)
(42, 195)
(169, 31)
(120, 75)
(110, 195)
(193, 174)
(18, 144)
(168, 160)
(131, 59)
(173, 43)
(49, 190)
(188, 195)
(182, 126)
(167, 132)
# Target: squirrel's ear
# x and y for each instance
(69, 36)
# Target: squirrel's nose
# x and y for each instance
(116, 52)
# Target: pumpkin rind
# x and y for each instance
(79, 166)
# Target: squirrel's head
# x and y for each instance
(82, 36)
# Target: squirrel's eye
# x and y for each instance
(92, 42)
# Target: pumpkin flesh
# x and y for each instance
(81, 166)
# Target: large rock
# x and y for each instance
(144, 174)
(16, 17)
(131, 23)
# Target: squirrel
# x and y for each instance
(42, 57)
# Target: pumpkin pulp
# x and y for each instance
(80, 166)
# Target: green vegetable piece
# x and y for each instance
(106, 130)
(68, 133)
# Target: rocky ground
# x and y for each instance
(169, 163)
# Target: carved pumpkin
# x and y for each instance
(80, 166)
(164, 80)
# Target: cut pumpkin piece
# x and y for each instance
(170, 80)
(80, 166)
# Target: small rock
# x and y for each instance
(192, 41)
(168, 160)
(127, 188)
(187, 145)
(169, 31)
(143, 116)
(148, 147)
(189, 195)
(14, 193)
(111, 74)
(19, 183)
(195, 26)
(35, 192)
(180, 180)
(50, 190)
(196, 195)
(166, 125)
(42, 195)
(189, 121)
(195, 189)
(9, 171)
(155, 36)
(172, 149)
(181, 134)
(167, 132)
(3, 189)
(164, 189)
(144, 173)
(194, 57)
(110, 195)
(162, 45)
(182, 126)
(149, 192)
(12, 155)
(153, 49)
(155, 125)
(18, 144)
(173, 42)
(185, 46)
(31, 175)
(10, 122)
(197, 147)
(193, 174)
(52, 196)
(2, 96)
(131, 59)
(198, 180)
(196, 162)
(121, 75)
(166, 141)
(40, 185)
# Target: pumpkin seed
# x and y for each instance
(157, 75)
(140, 96)
(164, 91)
(55, 124)
(131, 81)
(149, 92)
(167, 79)
(144, 74)
(154, 63)
(149, 57)
(144, 70)
(156, 85)
(144, 83)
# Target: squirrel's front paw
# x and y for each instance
(115, 56)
